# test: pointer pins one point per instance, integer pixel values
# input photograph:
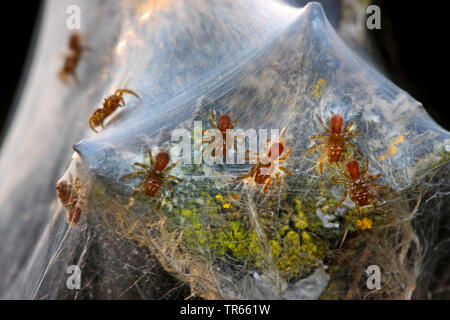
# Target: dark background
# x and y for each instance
(411, 45)
(412, 42)
(17, 24)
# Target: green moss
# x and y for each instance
(300, 220)
(230, 237)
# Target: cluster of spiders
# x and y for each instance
(333, 144)
(154, 173)
(111, 103)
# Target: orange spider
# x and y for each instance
(224, 124)
(154, 176)
(335, 141)
(110, 105)
(358, 185)
(71, 197)
(263, 171)
(76, 50)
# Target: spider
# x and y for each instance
(359, 185)
(223, 125)
(76, 50)
(71, 197)
(263, 171)
(335, 141)
(110, 104)
(154, 176)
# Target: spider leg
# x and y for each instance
(267, 185)
(249, 174)
(265, 145)
(170, 167)
(122, 100)
(351, 134)
(284, 170)
(286, 155)
(376, 186)
(213, 119)
(373, 200)
(348, 127)
(358, 209)
(343, 199)
(247, 152)
(322, 159)
(277, 176)
(93, 128)
(235, 145)
(323, 124)
(366, 167)
(169, 186)
(133, 174)
(173, 178)
(355, 148)
(342, 171)
(122, 91)
(233, 124)
(150, 158)
(318, 136)
(138, 187)
(340, 181)
(375, 177)
(138, 164)
(161, 198)
(247, 155)
(374, 204)
(315, 147)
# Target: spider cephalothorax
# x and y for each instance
(154, 177)
(110, 105)
(359, 185)
(225, 123)
(335, 141)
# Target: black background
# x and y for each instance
(17, 27)
(412, 43)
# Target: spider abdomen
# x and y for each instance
(335, 147)
(360, 194)
(151, 187)
(335, 153)
(260, 177)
